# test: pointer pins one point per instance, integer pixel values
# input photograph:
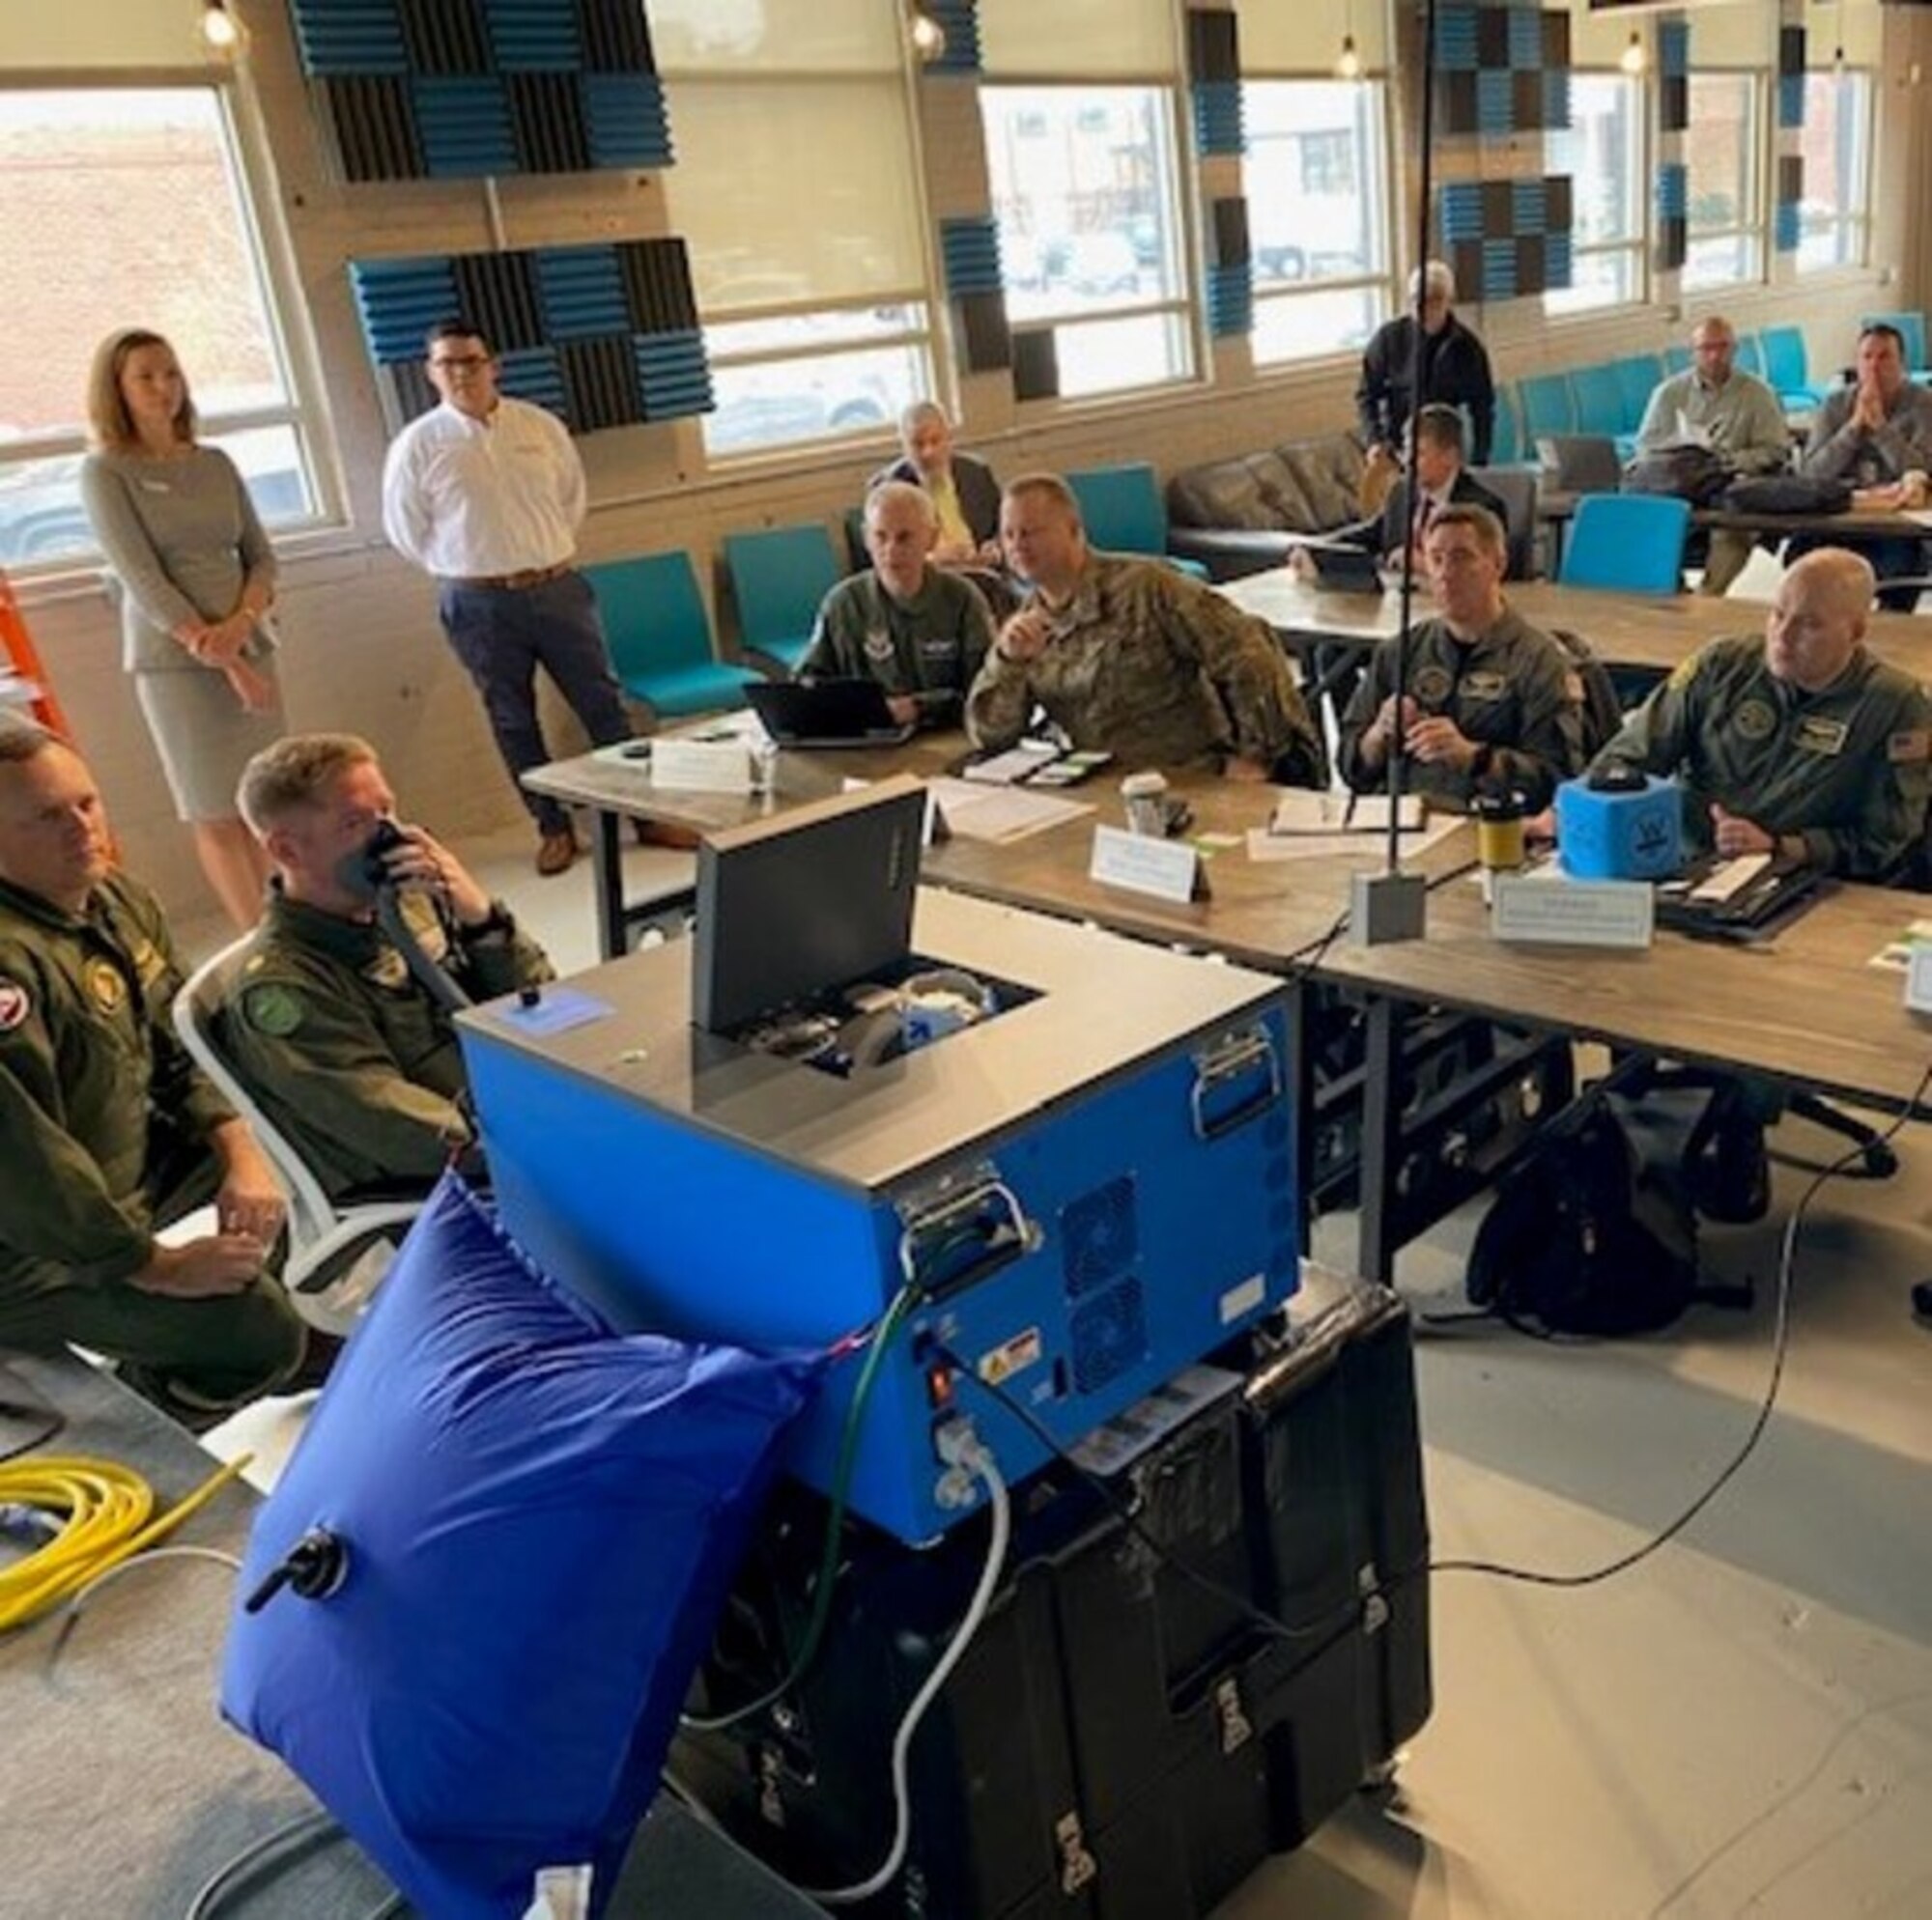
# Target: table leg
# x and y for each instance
(1380, 1141)
(608, 857)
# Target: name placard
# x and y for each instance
(1574, 913)
(1919, 977)
(1162, 869)
(701, 766)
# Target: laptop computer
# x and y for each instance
(1342, 569)
(826, 713)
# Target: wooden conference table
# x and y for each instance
(1626, 628)
(1805, 1007)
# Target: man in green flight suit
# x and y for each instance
(107, 1132)
(918, 631)
(346, 1049)
(1799, 744)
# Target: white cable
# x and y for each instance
(976, 1459)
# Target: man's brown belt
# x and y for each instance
(517, 583)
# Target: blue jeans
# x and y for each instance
(502, 635)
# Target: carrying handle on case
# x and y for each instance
(1235, 1056)
(1005, 1233)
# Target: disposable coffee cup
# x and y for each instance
(1146, 798)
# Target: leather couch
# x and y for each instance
(1235, 514)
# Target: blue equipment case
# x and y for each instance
(1095, 1187)
(1612, 836)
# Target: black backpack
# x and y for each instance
(1787, 493)
(1582, 1238)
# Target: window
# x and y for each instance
(1833, 220)
(796, 189)
(1726, 200)
(1318, 215)
(1600, 150)
(1084, 190)
(129, 206)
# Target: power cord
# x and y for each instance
(93, 1514)
(1124, 1507)
(1780, 1346)
(1400, 1577)
(961, 1448)
(877, 1345)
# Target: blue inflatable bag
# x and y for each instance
(538, 1519)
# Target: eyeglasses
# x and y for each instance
(461, 362)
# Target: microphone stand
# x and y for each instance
(1392, 905)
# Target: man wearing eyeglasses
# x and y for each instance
(486, 494)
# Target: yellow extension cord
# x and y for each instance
(108, 1511)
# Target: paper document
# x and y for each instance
(1000, 769)
(1001, 814)
(1302, 812)
(1265, 844)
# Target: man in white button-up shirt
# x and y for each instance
(487, 494)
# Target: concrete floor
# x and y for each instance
(1740, 1725)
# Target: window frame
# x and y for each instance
(1755, 225)
(1640, 245)
(1853, 219)
(1182, 311)
(1380, 152)
(244, 148)
(924, 339)
(917, 338)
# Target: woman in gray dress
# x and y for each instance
(197, 580)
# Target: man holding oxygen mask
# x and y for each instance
(342, 1032)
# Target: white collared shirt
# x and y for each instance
(467, 499)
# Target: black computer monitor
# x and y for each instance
(814, 899)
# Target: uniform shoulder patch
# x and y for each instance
(16, 1005)
(1915, 744)
(274, 1009)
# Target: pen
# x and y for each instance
(1349, 811)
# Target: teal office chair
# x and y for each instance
(1911, 328)
(1749, 357)
(778, 580)
(1639, 377)
(1123, 513)
(1632, 542)
(1548, 407)
(1507, 447)
(1677, 359)
(1787, 370)
(1599, 395)
(660, 637)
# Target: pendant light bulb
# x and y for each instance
(1349, 62)
(1632, 59)
(219, 28)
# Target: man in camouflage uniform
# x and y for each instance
(1799, 744)
(345, 1047)
(918, 631)
(1491, 703)
(1131, 658)
(106, 1130)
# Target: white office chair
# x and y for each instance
(337, 1255)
